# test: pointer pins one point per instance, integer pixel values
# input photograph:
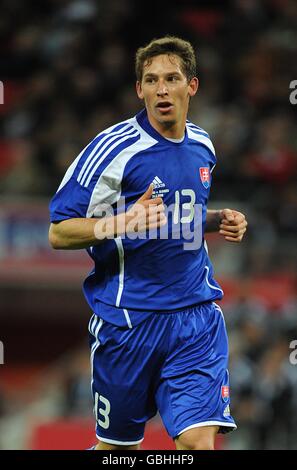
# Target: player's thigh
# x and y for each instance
(201, 438)
(194, 387)
(123, 364)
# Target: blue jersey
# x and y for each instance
(133, 278)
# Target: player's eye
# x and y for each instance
(150, 80)
(173, 78)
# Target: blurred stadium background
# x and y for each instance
(68, 72)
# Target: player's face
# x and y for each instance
(166, 93)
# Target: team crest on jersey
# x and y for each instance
(205, 176)
(225, 392)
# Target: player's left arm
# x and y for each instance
(230, 223)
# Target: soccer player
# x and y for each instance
(135, 198)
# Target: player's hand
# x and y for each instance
(232, 225)
(146, 213)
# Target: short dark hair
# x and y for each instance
(167, 45)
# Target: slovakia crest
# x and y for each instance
(225, 392)
(205, 176)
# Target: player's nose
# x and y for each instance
(162, 89)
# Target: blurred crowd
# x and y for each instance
(68, 73)
(263, 380)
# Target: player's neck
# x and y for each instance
(169, 130)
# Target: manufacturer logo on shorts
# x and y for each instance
(226, 411)
(225, 392)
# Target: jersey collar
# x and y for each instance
(143, 121)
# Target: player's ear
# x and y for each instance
(139, 90)
(193, 86)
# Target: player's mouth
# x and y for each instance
(164, 106)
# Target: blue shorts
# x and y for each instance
(174, 363)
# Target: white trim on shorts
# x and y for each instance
(95, 325)
(119, 443)
(128, 320)
(208, 423)
(218, 309)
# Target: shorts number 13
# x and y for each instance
(103, 412)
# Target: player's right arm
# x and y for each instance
(77, 233)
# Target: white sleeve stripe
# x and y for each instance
(108, 187)
(189, 123)
(93, 153)
(197, 130)
(108, 151)
(98, 154)
(74, 164)
(202, 139)
(91, 323)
